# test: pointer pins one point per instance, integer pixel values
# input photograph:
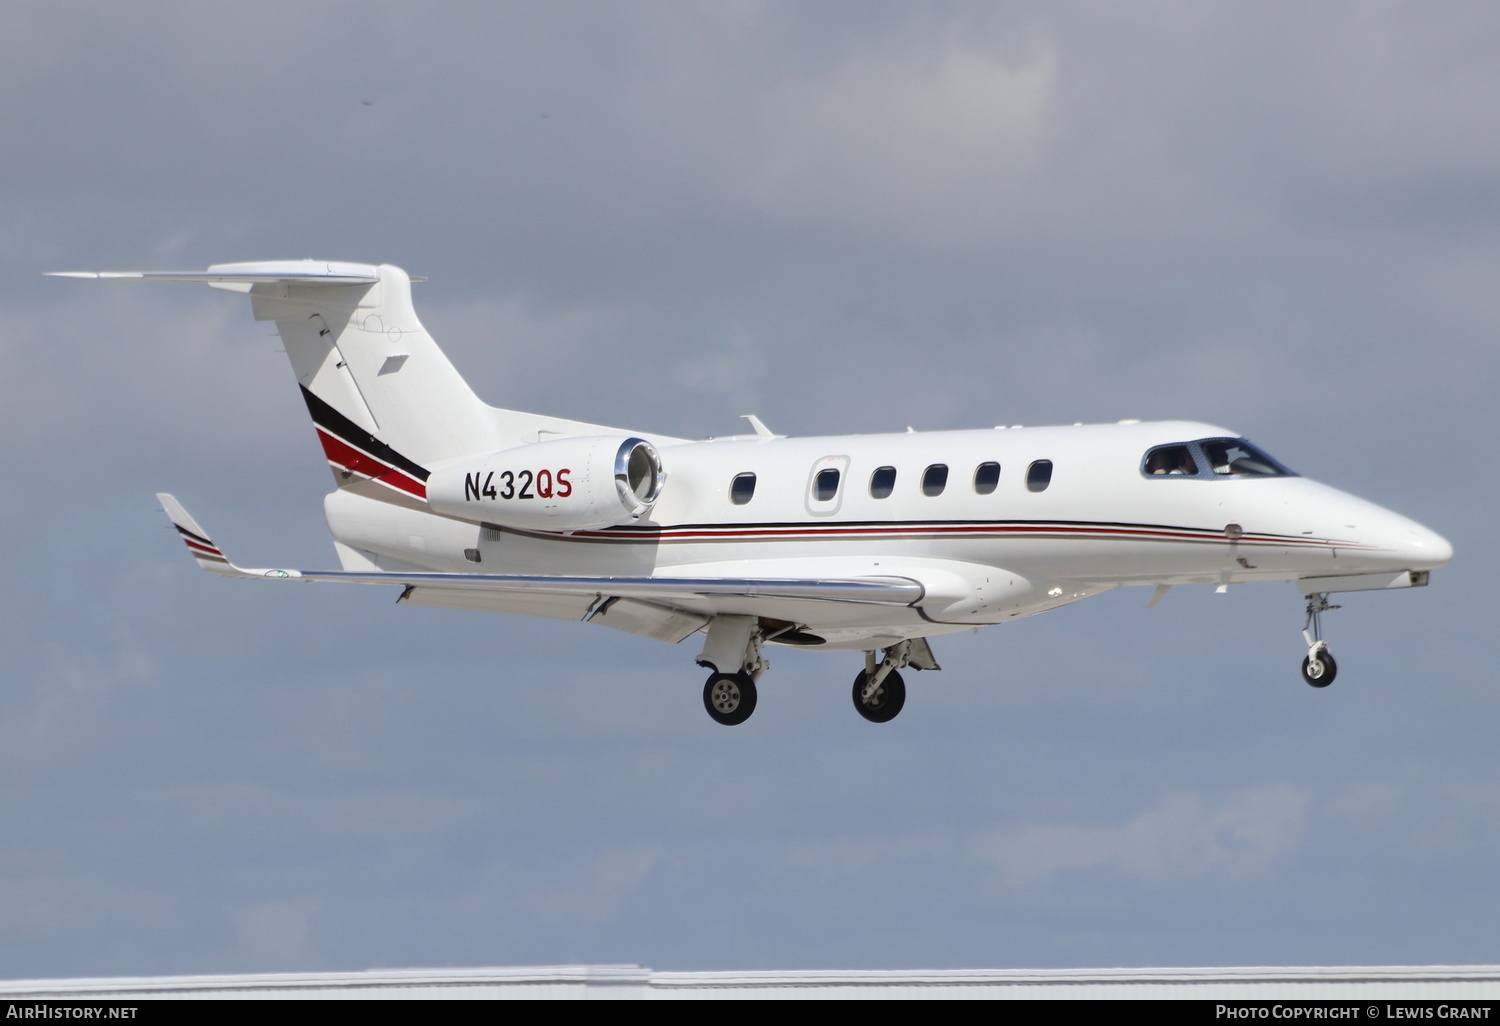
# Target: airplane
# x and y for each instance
(859, 543)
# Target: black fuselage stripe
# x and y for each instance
(850, 526)
(341, 427)
(983, 530)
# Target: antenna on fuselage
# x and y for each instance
(761, 431)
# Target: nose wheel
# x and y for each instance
(1318, 669)
(729, 698)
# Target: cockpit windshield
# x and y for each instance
(1211, 457)
(1237, 456)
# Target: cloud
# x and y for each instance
(928, 143)
(275, 934)
(596, 890)
(1182, 837)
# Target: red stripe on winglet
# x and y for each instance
(209, 549)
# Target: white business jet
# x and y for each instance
(866, 543)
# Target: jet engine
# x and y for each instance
(570, 484)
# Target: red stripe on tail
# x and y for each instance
(343, 455)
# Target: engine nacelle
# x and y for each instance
(571, 484)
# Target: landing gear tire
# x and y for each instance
(885, 703)
(729, 698)
(1319, 672)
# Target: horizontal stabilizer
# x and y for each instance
(305, 272)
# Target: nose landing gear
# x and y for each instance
(1318, 669)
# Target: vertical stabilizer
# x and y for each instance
(386, 402)
(374, 381)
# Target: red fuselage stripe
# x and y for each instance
(343, 455)
(915, 530)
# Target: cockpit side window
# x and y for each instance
(1171, 461)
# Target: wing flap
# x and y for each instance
(633, 616)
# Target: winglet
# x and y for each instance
(207, 554)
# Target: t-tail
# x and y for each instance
(386, 402)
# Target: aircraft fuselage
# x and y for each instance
(991, 543)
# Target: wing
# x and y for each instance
(691, 599)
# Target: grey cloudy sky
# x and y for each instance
(1281, 218)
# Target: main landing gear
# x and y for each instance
(732, 652)
(879, 691)
(729, 698)
(1318, 669)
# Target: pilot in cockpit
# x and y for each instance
(1174, 460)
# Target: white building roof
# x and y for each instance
(1361, 983)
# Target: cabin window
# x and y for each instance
(742, 489)
(1170, 461)
(882, 482)
(826, 485)
(986, 477)
(1039, 476)
(935, 479)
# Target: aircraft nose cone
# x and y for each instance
(1384, 540)
(1409, 544)
(1426, 549)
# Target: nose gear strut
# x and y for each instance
(1318, 669)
